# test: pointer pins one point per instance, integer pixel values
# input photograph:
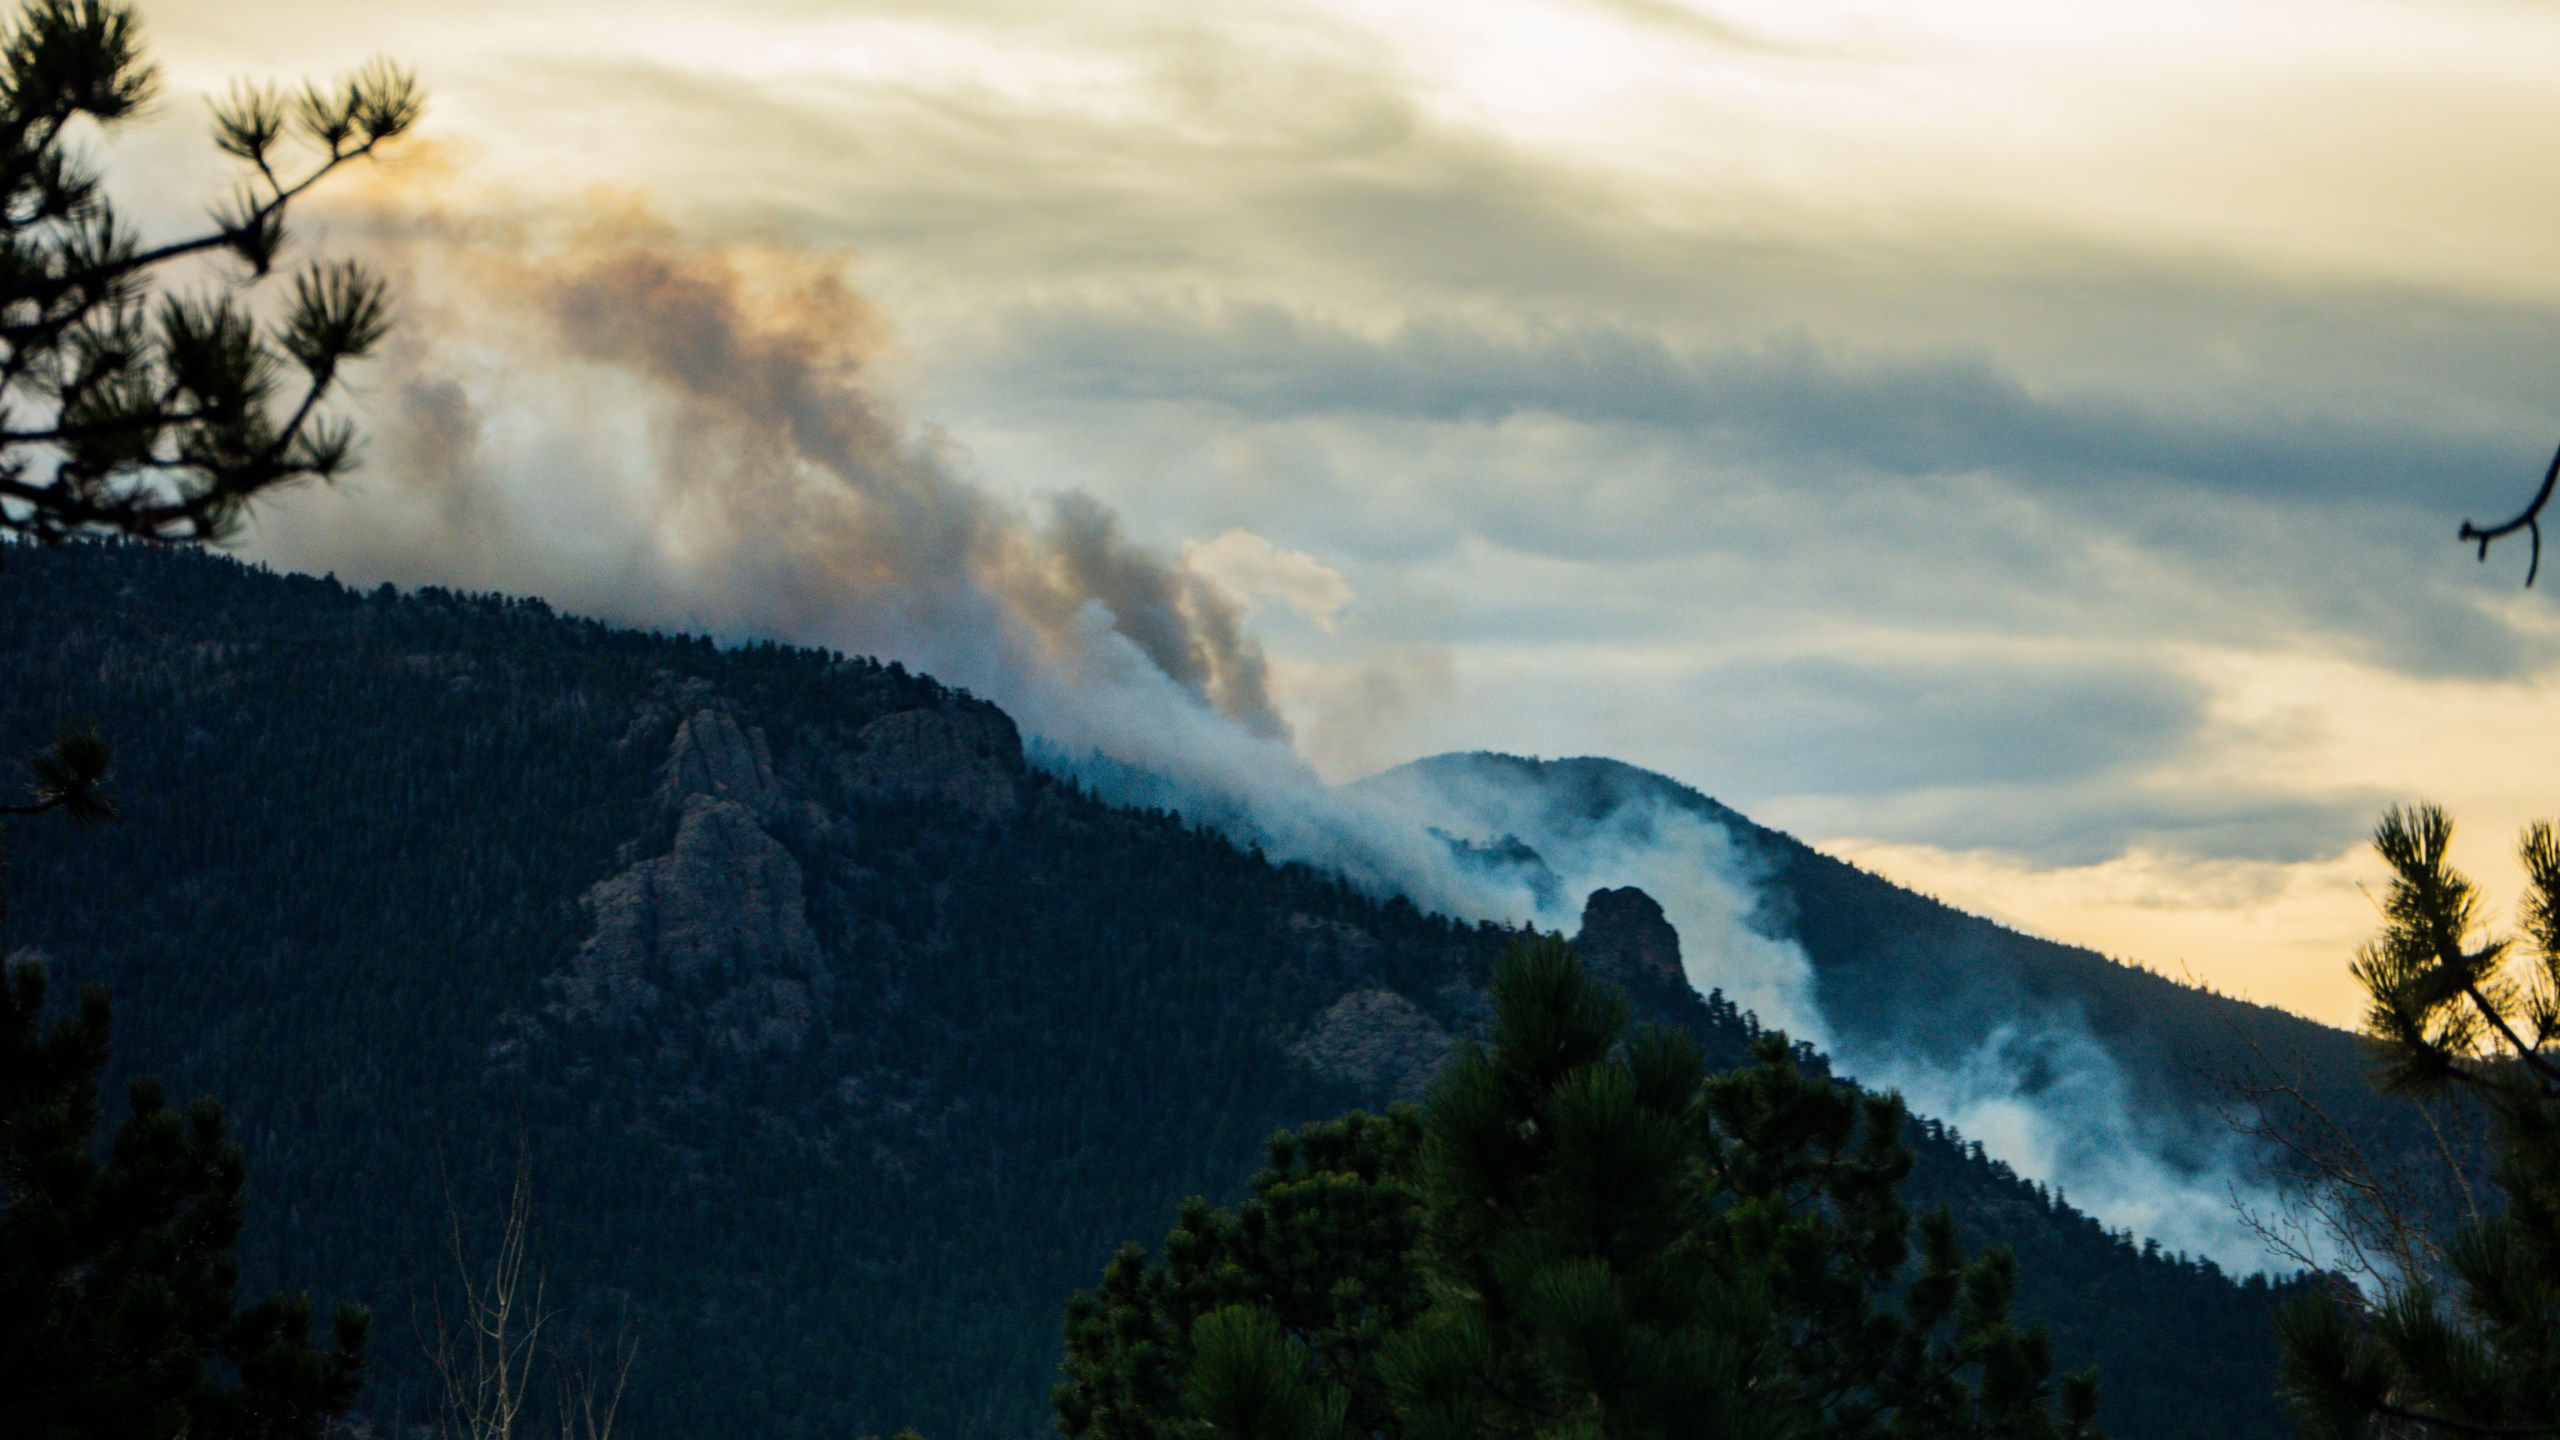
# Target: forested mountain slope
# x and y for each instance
(1900, 973)
(843, 1043)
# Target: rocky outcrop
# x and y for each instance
(720, 922)
(969, 757)
(1377, 1040)
(712, 938)
(713, 755)
(1625, 939)
(1333, 946)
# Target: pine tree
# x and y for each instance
(1582, 1235)
(2475, 1349)
(1322, 1248)
(1574, 1256)
(119, 1314)
(161, 421)
(1809, 1173)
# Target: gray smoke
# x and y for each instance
(685, 434)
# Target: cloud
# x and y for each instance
(1789, 401)
(2068, 825)
(1248, 565)
(1825, 726)
(1812, 490)
(1692, 23)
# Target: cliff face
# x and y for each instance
(1386, 1045)
(717, 926)
(970, 760)
(809, 1002)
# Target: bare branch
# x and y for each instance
(2348, 1210)
(589, 1401)
(494, 1348)
(484, 1355)
(2529, 521)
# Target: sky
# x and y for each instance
(2017, 447)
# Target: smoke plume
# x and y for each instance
(677, 433)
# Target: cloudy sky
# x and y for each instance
(2017, 446)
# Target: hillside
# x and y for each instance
(1900, 974)
(843, 1043)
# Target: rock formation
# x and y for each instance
(712, 755)
(1626, 940)
(721, 919)
(969, 758)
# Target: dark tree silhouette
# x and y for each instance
(2470, 1346)
(69, 776)
(2529, 520)
(118, 1318)
(1584, 1234)
(128, 409)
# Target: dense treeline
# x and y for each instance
(840, 1177)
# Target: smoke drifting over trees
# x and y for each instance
(671, 431)
(685, 433)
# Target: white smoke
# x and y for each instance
(2041, 1093)
(1590, 831)
(2048, 1099)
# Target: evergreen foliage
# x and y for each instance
(1585, 1234)
(2470, 1346)
(138, 412)
(1322, 1249)
(118, 1310)
(1573, 1259)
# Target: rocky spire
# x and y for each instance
(1625, 939)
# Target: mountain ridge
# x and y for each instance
(1895, 971)
(842, 1041)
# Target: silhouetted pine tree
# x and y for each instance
(162, 421)
(118, 1316)
(1584, 1235)
(2474, 1349)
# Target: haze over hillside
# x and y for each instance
(2111, 1081)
